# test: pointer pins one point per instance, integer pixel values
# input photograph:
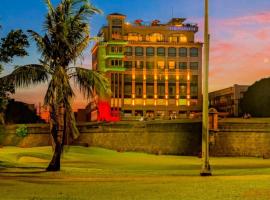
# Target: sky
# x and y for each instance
(239, 29)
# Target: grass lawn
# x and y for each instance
(99, 174)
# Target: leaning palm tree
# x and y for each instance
(66, 36)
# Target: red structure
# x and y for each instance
(105, 113)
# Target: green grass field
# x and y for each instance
(99, 174)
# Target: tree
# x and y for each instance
(66, 36)
(256, 99)
(14, 44)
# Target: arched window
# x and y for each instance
(150, 51)
(178, 38)
(138, 51)
(155, 37)
(172, 52)
(134, 37)
(161, 51)
(128, 51)
(194, 52)
(183, 52)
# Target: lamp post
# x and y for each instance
(206, 170)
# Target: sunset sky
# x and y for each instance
(240, 35)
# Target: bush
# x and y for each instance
(22, 131)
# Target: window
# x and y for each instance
(183, 79)
(183, 52)
(139, 64)
(139, 90)
(150, 90)
(177, 38)
(117, 22)
(172, 52)
(183, 91)
(194, 91)
(116, 49)
(194, 65)
(128, 64)
(154, 37)
(194, 79)
(161, 51)
(183, 65)
(134, 37)
(127, 90)
(160, 64)
(128, 51)
(149, 65)
(171, 64)
(161, 90)
(116, 63)
(138, 51)
(194, 52)
(171, 88)
(150, 51)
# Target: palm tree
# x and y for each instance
(66, 36)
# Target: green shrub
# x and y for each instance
(22, 131)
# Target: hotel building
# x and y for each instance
(153, 67)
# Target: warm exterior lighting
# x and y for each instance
(133, 76)
(177, 96)
(144, 102)
(188, 103)
(177, 77)
(144, 77)
(188, 76)
(155, 96)
(177, 103)
(188, 96)
(166, 77)
(144, 96)
(166, 96)
(166, 102)
(155, 102)
(133, 102)
(133, 96)
(155, 77)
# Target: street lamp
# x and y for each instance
(206, 170)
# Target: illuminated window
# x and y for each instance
(183, 52)
(194, 65)
(183, 91)
(150, 51)
(154, 37)
(171, 52)
(128, 51)
(194, 52)
(183, 65)
(177, 38)
(139, 64)
(150, 90)
(160, 64)
(139, 89)
(171, 64)
(161, 90)
(138, 51)
(134, 37)
(161, 51)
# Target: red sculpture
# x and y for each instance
(105, 113)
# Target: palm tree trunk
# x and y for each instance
(57, 131)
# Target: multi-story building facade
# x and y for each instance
(228, 99)
(153, 68)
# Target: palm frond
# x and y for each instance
(24, 76)
(88, 81)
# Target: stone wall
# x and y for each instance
(169, 137)
(242, 139)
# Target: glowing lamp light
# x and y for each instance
(144, 77)
(144, 96)
(188, 77)
(166, 77)
(155, 77)
(188, 103)
(144, 102)
(166, 102)
(177, 77)
(155, 102)
(133, 76)
(133, 102)
(177, 103)
(133, 96)
(188, 96)
(177, 96)
(155, 96)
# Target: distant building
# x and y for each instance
(228, 99)
(154, 68)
